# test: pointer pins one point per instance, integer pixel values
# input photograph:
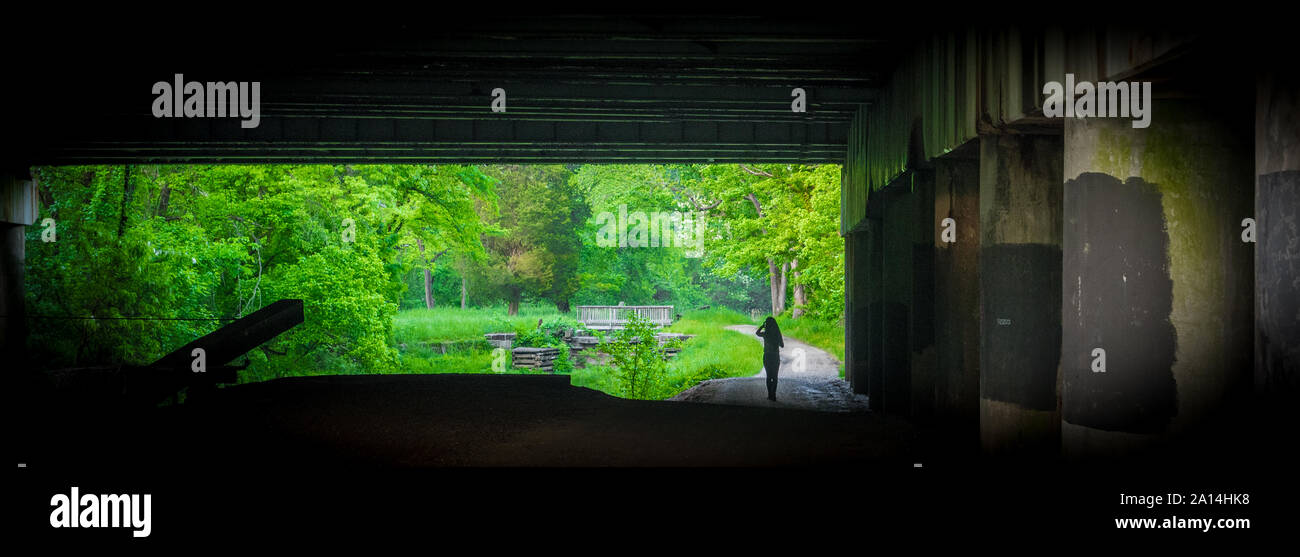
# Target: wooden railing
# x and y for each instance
(616, 317)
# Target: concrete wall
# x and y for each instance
(13, 330)
(956, 293)
(1277, 251)
(1081, 234)
(875, 305)
(1155, 272)
(857, 294)
(922, 311)
(17, 211)
(1020, 286)
(899, 215)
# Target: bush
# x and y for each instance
(639, 360)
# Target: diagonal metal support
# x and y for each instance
(220, 347)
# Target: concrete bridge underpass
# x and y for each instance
(991, 249)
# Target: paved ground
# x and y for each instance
(450, 420)
(808, 380)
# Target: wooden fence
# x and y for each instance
(615, 317)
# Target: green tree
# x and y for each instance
(179, 249)
(535, 251)
(783, 217)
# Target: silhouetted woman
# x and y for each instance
(772, 343)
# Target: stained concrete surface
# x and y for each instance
(1118, 296)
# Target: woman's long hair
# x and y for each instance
(771, 329)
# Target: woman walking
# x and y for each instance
(770, 332)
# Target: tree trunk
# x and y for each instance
(428, 289)
(428, 276)
(514, 303)
(800, 293)
(463, 292)
(164, 197)
(128, 191)
(773, 283)
(777, 286)
(780, 293)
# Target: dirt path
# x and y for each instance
(808, 379)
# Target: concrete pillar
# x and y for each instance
(896, 296)
(1277, 224)
(922, 316)
(856, 311)
(1156, 274)
(18, 196)
(1020, 289)
(12, 325)
(956, 293)
(875, 305)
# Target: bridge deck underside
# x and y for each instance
(577, 89)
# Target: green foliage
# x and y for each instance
(454, 324)
(213, 243)
(677, 383)
(551, 333)
(104, 265)
(778, 214)
(715, 352)
(638, 359)
(424, 359)
(202, 245)
(536, 252)
(702, 320)
(653, 276)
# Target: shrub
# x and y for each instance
(640, 361)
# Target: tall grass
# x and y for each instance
(828, 336)
(715, 352)
(452, 323)
(422, 359)
(416, 331)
